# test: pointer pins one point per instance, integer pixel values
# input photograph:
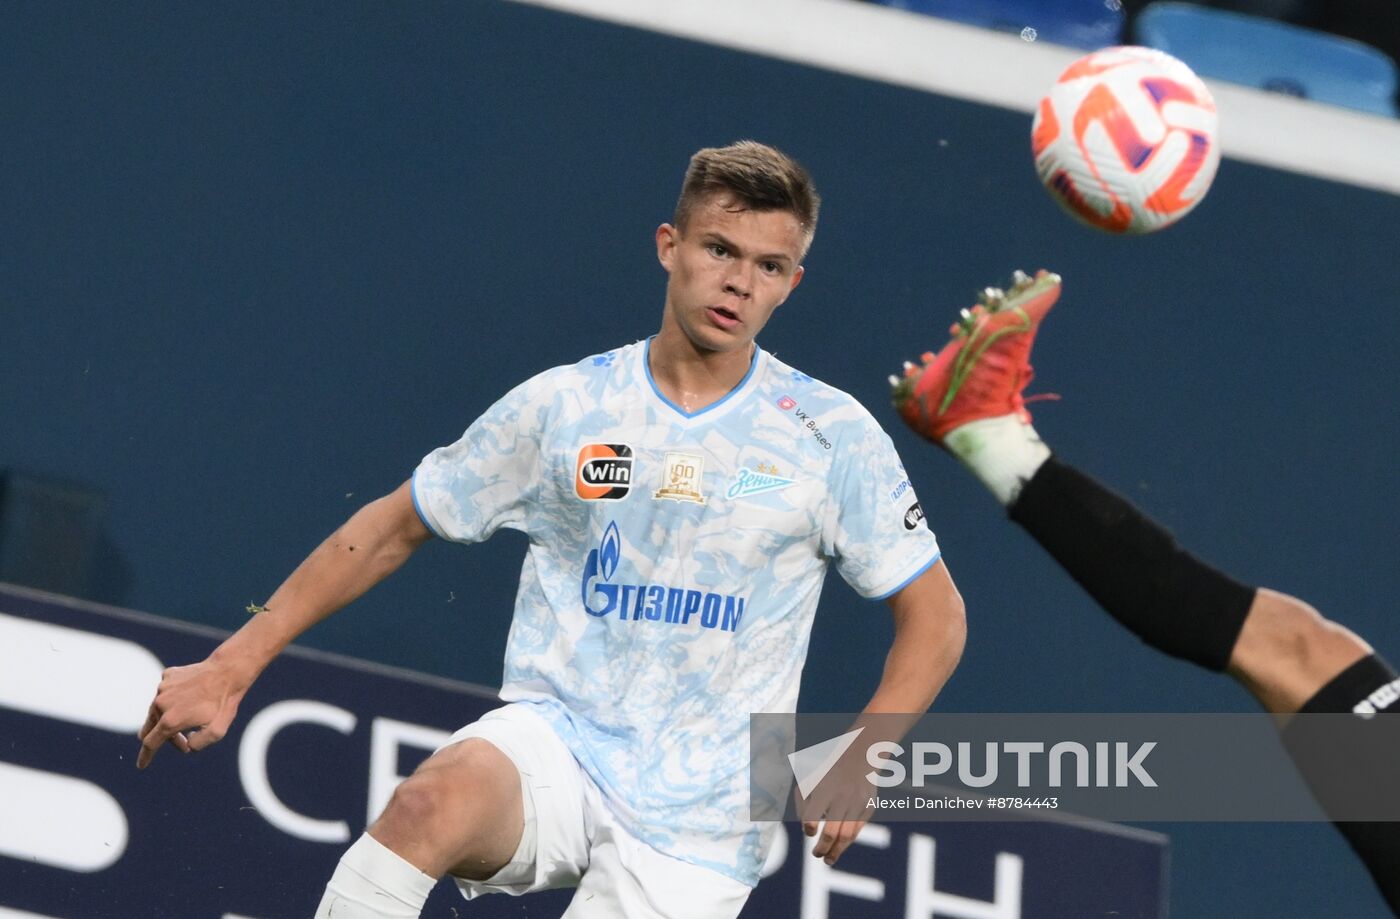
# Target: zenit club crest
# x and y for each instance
(757, 481)
(604, 472)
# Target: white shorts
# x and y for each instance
(572, 839)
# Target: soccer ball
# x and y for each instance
(1125, 140)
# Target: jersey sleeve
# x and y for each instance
(875, 529)
(490, 477)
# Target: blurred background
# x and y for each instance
(255, 262)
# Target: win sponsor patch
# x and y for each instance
(604, 472)
(913, 515)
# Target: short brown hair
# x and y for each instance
(759, 176)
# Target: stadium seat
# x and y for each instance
(1077, 23)
(1272, 55)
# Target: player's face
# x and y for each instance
(730, 269)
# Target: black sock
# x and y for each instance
(1344, 769)
(1367, 687)
(1132, 566)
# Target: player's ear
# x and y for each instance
(797, 278)
(667, 238)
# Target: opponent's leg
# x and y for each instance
(460, 813)
(1278, 647)
(1287, 652)
(968, 400)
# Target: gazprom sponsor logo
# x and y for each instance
(656, 603)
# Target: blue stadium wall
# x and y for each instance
(255, 263)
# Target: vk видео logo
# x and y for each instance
(650, 602)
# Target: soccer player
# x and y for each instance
(683, 496)
(968, 400)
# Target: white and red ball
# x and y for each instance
(1126, 140)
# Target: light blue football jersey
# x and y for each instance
(673, 571)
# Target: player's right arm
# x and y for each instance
(195, 705)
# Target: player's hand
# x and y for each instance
(839, 806)
(192, 710)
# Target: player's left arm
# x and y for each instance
(930, 629)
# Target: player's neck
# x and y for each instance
(693, 378)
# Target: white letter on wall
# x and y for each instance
(252, 766)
